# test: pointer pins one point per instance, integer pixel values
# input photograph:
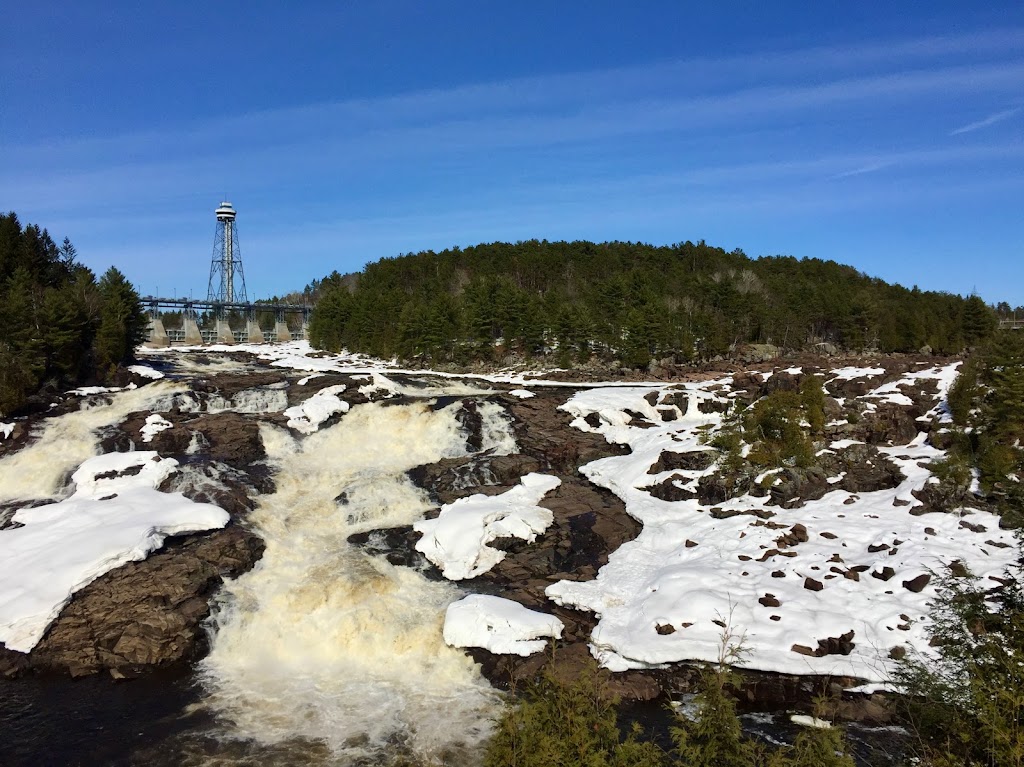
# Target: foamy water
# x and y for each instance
(321, 642)
(42, 469)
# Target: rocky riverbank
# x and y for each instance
(151, 613)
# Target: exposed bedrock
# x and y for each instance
(144, 614)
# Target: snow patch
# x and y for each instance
(456, 540)
(522, 393)
(145, 371)
(498, 625)
(850, 373)
(155, 423)
(308, 416)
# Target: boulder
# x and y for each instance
(145, 614)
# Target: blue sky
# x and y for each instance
(889, 136)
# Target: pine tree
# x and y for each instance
(122, 325)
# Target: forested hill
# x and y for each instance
(58, 325)
(627, 301)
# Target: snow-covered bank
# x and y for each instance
(115, 515)
(855, 562)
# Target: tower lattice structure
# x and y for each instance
(227, 280)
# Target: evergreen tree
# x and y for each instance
(122, 326)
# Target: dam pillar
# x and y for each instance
(281, 332)
(224, 334)
(192, 335)
(157, 333)
(255, 332)
(305, 324)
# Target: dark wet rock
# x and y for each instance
(397, 545)
(795, 486)
(231, 438)
(670, 489)
(813, 585)
(472, 424)
(840, 645)
(233, 490)
(782, 381)
(144, 614)
(543, 432)
(638, 420)
(747, 384)
(865, 469)
(567, 662)
(797, 534)
(917, 584)
(227, 385)
(714, 406)
(299, 394)
(693, 460)
(891, 424)
(675, 398)
(453, 478)
(941, 497)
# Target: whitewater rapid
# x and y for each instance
(60, 444)
(324, 643)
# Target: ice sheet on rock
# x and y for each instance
(115, 516)
(498, 625)
(456, 540)
(310, 377)
(145, 371)
(6, 429)
(155, 423)
(659, 595)
(308, 416)
(522, 393)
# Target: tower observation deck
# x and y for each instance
(227, 280)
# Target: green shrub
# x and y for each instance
(966, 705)
(773, 427)
(714, 737)
(812, 398)
(569, 725)
(816, 746)
(963, 391)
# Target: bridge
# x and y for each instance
(1011, 324)
(208, 322)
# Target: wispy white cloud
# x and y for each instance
(992, 119)
(869, 168)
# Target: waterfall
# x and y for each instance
(42, 468)
(323, 642)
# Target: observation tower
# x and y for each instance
(226, 265)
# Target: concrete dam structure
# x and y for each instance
(210, 321)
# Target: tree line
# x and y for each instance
(627, 301)
(60, 325)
